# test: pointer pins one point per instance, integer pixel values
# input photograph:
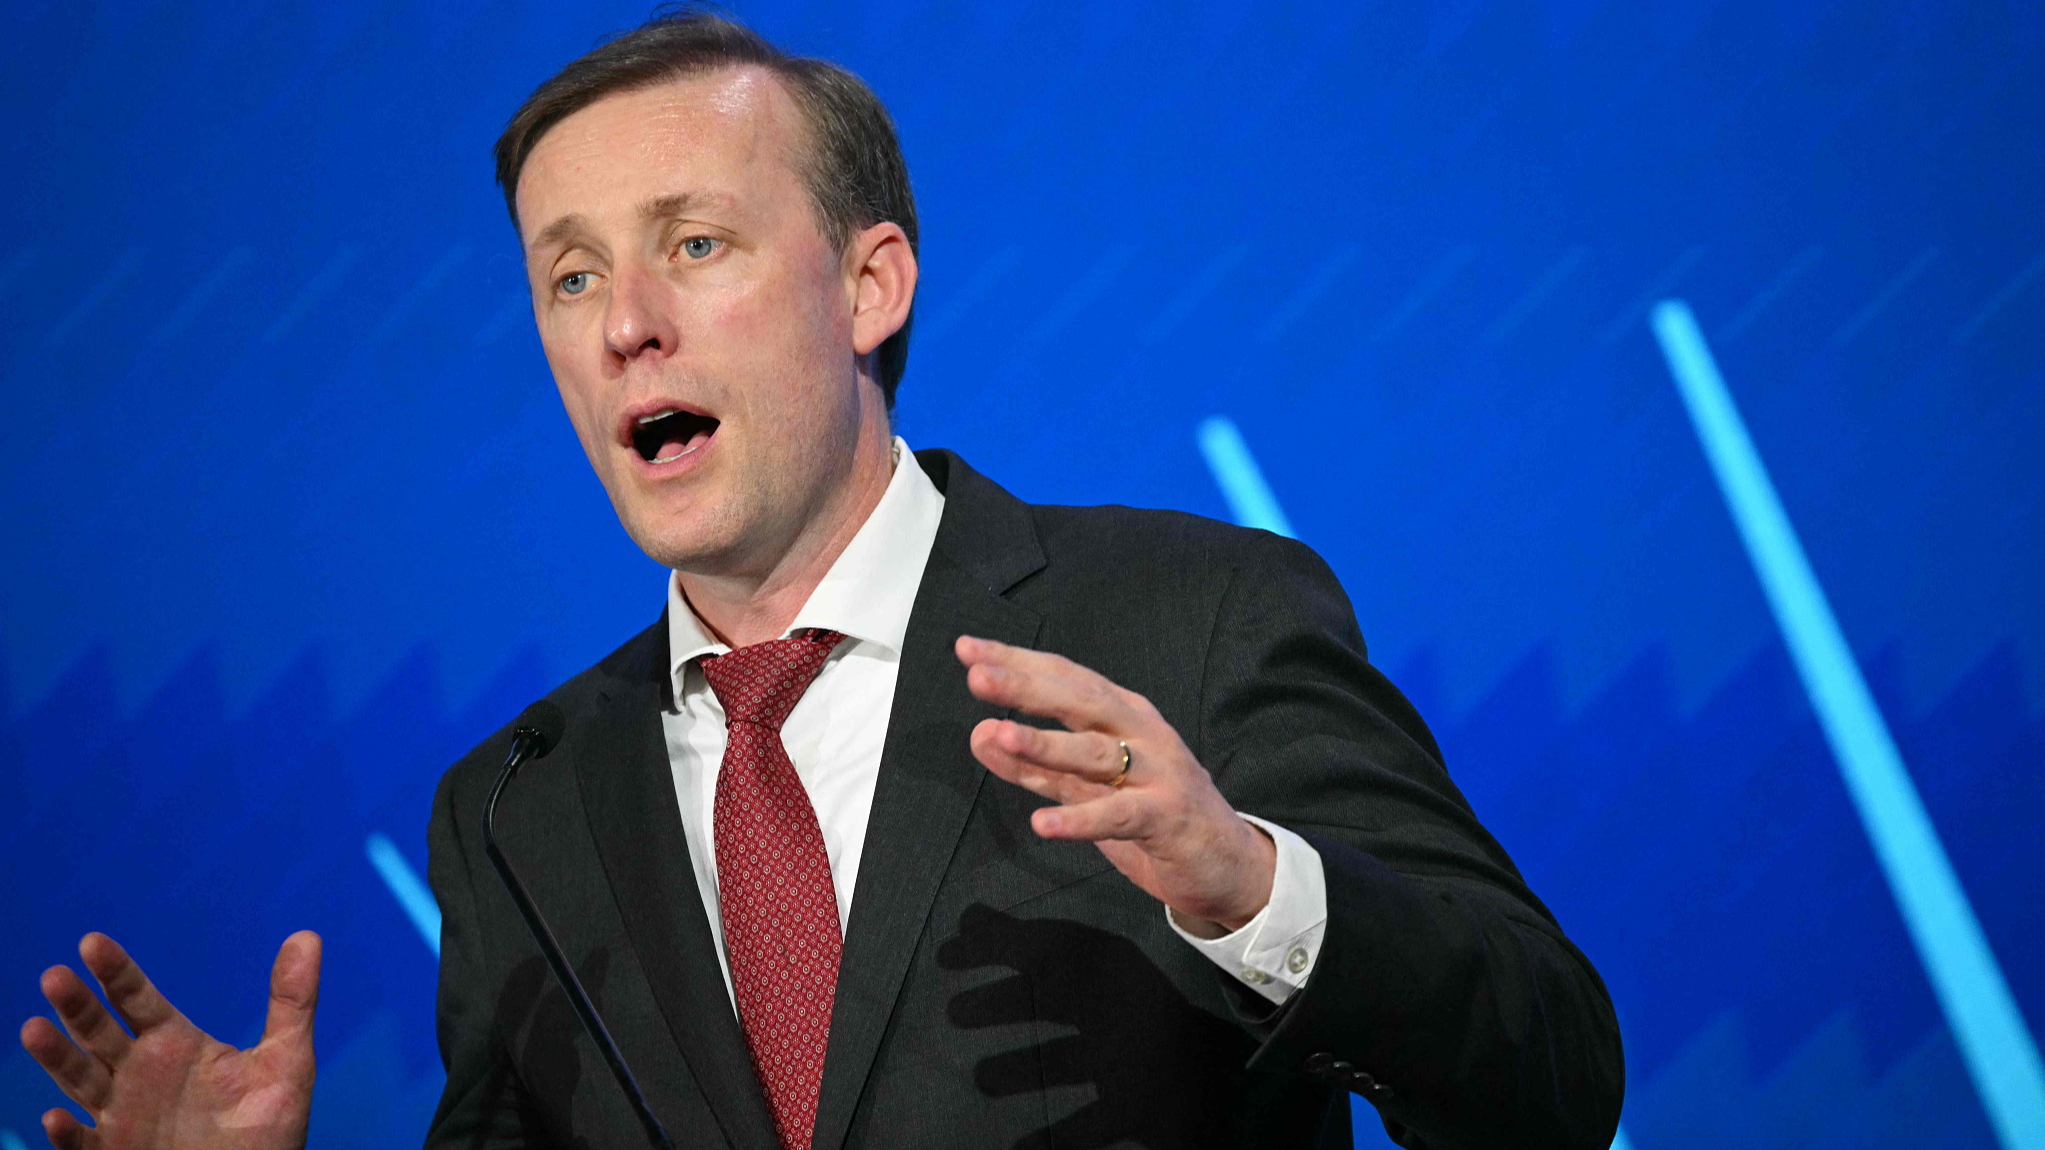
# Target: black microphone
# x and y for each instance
(535, 733)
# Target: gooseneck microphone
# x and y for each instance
(532, 736)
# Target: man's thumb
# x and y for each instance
(294, 988)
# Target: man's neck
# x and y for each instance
(740, 610)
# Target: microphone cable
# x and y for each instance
(538, 728)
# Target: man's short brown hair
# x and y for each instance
(852, 168)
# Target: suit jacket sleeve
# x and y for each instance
(482, 1104)
(1441, 976)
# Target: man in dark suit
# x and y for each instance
(1218, 882)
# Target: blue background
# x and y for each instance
(293, 515)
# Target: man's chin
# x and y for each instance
(688, 553)
(677, 526)
(697, 544)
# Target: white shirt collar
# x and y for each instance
(868, 592)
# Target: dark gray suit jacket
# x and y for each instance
(1000, 990)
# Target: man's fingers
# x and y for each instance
(294, 989)
(66, 1132)
(128, 990)
(1089, 756)
(1057, 785)
(1115, 815)
(79, 1075)
(1041, 683)
(81, 1013)
(1087, 811)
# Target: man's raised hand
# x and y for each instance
(169, 1085)
(1166, 826)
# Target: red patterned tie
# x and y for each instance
(773, 878)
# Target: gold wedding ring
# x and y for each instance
(1122, 775)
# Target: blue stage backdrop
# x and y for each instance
(1666, 382)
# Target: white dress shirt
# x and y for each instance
(835, 733)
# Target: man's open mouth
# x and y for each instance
(665, 436)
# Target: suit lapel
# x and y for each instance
(986, 543)
(628, 789)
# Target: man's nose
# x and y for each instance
(636, 324)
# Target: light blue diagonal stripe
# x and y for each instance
(1999, 1052)
(1423, 293)
(1664, 281)
(9, 1140)
(962, 301)
(1767, 296)
(1082, 295)
(421, 292)
(1250, 498)
(1966, 331)
(1537, 293)
(411, 894)
(95, 299)
(1324, 276)
(1195, 293)
(1242, 481)
(1895, 287)
(517, 306)
(204, 294)
(310, 294)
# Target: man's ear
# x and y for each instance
(882, 272)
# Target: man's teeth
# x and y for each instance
(655, 417)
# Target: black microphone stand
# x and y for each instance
(530, 742)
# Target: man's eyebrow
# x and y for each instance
(658, 208)
(679, 204)
(556, 232)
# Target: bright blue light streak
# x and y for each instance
(2000, 1053)
(1250, 498)
(405, 885)
(9, 1140)
(1242, 482)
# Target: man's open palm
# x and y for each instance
(170, 1085)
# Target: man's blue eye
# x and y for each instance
(575, 284)
(699, 247)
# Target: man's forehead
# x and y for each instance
(718, 122)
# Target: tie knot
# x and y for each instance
(762, 683)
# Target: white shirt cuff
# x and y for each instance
(1274, 952)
